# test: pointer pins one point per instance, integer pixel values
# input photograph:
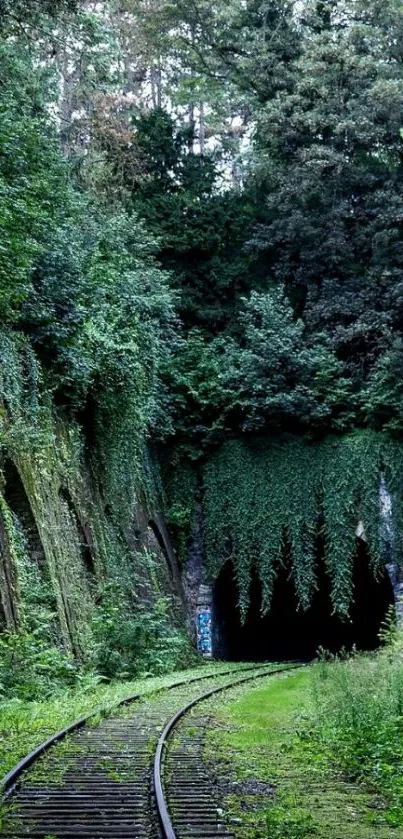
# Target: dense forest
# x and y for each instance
(201, 299)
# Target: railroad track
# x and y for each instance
(107, 781)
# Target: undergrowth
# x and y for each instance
(43, 689)
(358, 720)
(286, 768)
(126, 644)
(146, 641)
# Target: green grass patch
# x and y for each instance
(359, 721)
(275, 771)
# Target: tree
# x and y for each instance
(272, 378)
(18, 12)
(79, 282)
(331, 150)
(33, 181)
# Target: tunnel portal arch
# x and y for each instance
(287, 633)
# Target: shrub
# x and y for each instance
(129, 644)
(29, 669)
(359, 720)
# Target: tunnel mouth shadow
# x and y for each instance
(286, 633)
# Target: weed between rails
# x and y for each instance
(26, 724)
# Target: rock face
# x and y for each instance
(388, 549)
(193, 572)
(63, 543)
(197, 591)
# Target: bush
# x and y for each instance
(144, 643)
(125, 645)
(359, 720)
(29, 669)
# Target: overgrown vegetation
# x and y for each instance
(24, 723)
(200, 242)
(263, 497)
(290, 776)
(358, 722)
(86, 314)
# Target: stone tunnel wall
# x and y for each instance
(198, 592)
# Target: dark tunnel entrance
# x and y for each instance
(286, 633)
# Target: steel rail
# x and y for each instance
(167, 828)
(10, 780)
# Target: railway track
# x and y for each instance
(121, 778)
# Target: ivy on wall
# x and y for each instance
(180, 490)
(81, 524)
(261, 496)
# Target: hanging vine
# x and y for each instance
(260, 496)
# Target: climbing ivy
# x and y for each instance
(180, 491)
(82, 533)
(262, 498)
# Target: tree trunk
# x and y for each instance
(202, 131)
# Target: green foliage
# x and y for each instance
(264, 739)
(129, 330)
(201, 231)
(80, 282)
(181, 490)
(86, 317)
(129, 643)
(35, 596)
(31, 669)
(314, 213)
(383, 398)
(32, 177)
(272, 377)
(261, 496)
(262, 146)
(329, 147)
(358, 721)
(20, 381)
(196, 396)
(16, 13)
(281, 824)
(266, 376)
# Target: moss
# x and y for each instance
(85, 549)
(274, 784)
(26, 724)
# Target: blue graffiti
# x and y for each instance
(204, 640)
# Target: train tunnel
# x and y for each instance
(287, 633)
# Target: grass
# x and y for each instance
(277, 772)
(359, 721)
(26, 724)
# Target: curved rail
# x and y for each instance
(10, 780)
(168, 831)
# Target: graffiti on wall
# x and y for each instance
(204, 639)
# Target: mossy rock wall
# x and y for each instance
(62, 544)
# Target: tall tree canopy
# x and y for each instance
(261, 145)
